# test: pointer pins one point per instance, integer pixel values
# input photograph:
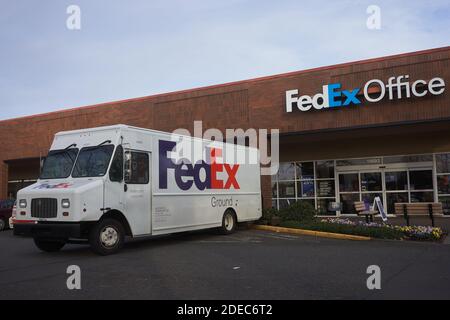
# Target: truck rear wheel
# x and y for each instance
(228, 222)
(107, 237)
(49, 245)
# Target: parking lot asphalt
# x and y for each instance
(249, 264)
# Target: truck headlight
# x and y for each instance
(22, 203)
(65, 203)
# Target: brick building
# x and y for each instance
(398, 149)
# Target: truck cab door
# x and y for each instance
(114, 184)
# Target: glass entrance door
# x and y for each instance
(371, 186)
(349, 191)
(390, 184)
(359, 186)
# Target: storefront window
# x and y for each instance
(305, 189)
(348, 202)
(445, 200)
(324, 206)
(286, 171)
(349, 182)
(305, 170)
(396, 180)
(286, 189)
(393, 198)
(369, 197)
(325, 169)
(325, 188)
(422, 196)
(317, 182)
(296, 181)
(421, 180)
(443, 182)
(443, 163)
(371, 181)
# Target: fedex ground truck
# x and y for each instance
(103, 184)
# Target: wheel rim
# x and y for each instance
(229, 222)
(109, 237)
(2, 224)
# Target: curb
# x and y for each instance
(310, 233)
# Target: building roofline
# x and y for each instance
(238, 82)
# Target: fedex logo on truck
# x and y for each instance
(187, 174)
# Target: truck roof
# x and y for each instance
(124, 126)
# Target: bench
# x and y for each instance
(361, 210)
(430, 209)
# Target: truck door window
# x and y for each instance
(136, 167)
(116, 170)
(93, 161)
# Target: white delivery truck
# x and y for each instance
(106, 183)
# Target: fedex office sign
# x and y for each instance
(204, 175)
(375, 90)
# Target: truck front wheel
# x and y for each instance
(107, 237)
(49, 245)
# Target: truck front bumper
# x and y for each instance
(48, 230)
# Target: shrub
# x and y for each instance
(268, 214)
(298, 211)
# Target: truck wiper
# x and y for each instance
(99, 145)
(72, 145)
(106, 141)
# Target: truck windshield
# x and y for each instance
(59, 164)
(93, 161)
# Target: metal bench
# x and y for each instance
(430, 209)
(361, 210)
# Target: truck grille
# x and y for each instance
(44, 208)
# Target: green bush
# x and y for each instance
(268, 214)
(298, 211)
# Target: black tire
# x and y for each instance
(229, 222)
(49, 245)
(3, 225)
(107, 237)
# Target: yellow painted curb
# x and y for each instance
(310, 233)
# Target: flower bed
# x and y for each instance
(373, 229)
(303, 216)
(407, 232)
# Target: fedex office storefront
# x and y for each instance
(404, 161)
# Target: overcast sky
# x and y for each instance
(128, 49)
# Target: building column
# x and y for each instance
(266, 191)
(3, 180)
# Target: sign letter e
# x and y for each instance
(374, 280)
(74, 280)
